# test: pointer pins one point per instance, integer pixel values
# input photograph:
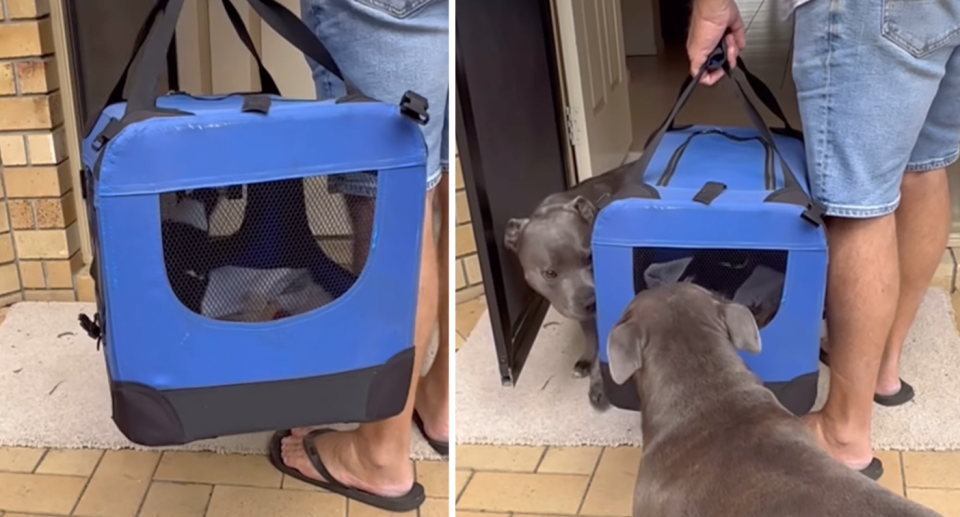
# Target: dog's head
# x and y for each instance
(553, 246)
(676, 315)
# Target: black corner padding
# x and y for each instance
(389, 386)
(145, 416)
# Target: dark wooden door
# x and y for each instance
(510, 135)
(101, 35)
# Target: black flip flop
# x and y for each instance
(874, 470)
(410, 501)
(442, 448)
(899, 398)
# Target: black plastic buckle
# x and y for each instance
(415, 107)
(814, 213)
(92, 327)
(109, 132)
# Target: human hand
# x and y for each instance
(711, 21)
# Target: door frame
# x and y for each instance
(512, 339)
(63, 25)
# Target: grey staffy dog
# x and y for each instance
(553, 246)
(715, 441)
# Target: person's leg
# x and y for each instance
(923, 217)
(376, 456)
(923, 227)
(385, 50)
(863, 101)
(433, 394)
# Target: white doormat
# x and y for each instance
(54, 391)
(550, 407)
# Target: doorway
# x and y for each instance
(101, 35)
(562, 68)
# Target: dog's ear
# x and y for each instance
(623, 351)
(583, 205)
(514, 229)
(741, 327)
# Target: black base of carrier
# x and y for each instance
(798, 395)
(155, 418)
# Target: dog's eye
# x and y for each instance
(549, 273)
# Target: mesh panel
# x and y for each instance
(753, 278)
(264, 251)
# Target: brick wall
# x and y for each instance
(39, 234)
(469, 280)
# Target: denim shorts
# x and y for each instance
(387, 47)
(878, 85)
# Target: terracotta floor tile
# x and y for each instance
(945, 502)
(530, 493)
(434, 507)
(496, 457)
(41, 494)
(459, 340)
(932, 469)
(611, 490)
(463, 477)
(892, 471)
(218, 469)
(435, 477)
(234, 501)
(468, 314)
(290, 483)
(118, 485)
(176, 500)
(70, 462)
(570, 460)
(466, 513)
(355, 509)
(19, 459)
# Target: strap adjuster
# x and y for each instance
(814, 213)
(415, 107)
(109, 132)
(92, 327)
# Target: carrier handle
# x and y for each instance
(763, 93)
(792, 192)
(267, 83)
(769, 175)
(144, 74)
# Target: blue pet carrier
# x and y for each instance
(721, 207)
(233, 280)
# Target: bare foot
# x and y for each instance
(434, 409)
(854, 456)
(343, 455)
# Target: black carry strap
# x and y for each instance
(763, 93)
(791, 193)
(155, 37)
(287, 25)
(267, 84)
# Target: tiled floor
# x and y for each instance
(88, 483)
(598, 482)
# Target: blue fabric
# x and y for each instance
(739, 220)
(151, 338)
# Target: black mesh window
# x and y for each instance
(751, 277)
(264, 251)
